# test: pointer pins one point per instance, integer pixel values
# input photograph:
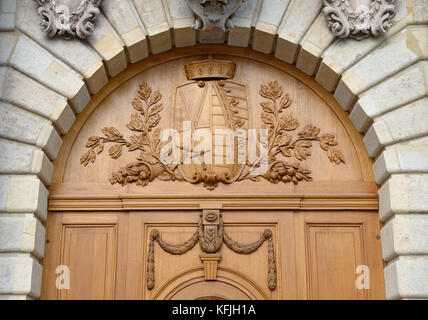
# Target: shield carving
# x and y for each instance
(212, 101)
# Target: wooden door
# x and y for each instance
(316, 256)
(128, 224)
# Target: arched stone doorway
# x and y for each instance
(365, 72)
(324, 223)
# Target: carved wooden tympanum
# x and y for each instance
(300, 232)
(211, 235)
(220, 109)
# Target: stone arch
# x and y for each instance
(382, 82)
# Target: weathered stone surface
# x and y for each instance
(28, 57)
(22, 234)
(405, 235)
(398, 90)
(23, 194)
(403, 193)
(77, 54)
(406, 277)
(297, 20)
(29, 94)
(402, 50)
(20, 274)
(124, 18)
(155, 21)
(399, 125)
(20, 125)
(270, 17)
(22, 158)
(401, 159)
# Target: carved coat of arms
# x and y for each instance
(211, 141)
(211, 100)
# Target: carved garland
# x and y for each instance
(360, 22)
(59, 19)
(147, 141)
(211, 236)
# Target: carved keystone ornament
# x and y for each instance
(359, 19)
(209, 108)
(68, 18)
(211, 235)
(211, 14)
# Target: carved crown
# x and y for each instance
(210, 69)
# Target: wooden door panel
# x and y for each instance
(89, 252)
(85, 243)
(330, 247)
(334, 252)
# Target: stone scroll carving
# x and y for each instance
(211, 14)
(220, 102)
(211, 236)
(68, 18)
(359, 19)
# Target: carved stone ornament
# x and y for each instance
(214, 13)
(359, 19)
(68, 18)
(214, 100)
(211, 236)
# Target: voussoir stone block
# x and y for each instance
(29, 94)
(270, 17)
(314, 43)
(24, 159)
(20, 274)
(124, 18)
(31, 59)
(401, 159)
(403, 193)
(77, 54)
(406, 277)
(109, 46)
(402, 50)
(155, 20)
(7, 15)
(343, 53)
(243, 20)
(405, 234)
(398, 90)
(23, 194)
(297, 20)
(181, 20)
(22, 234)
(21, 125)
(398, 125)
